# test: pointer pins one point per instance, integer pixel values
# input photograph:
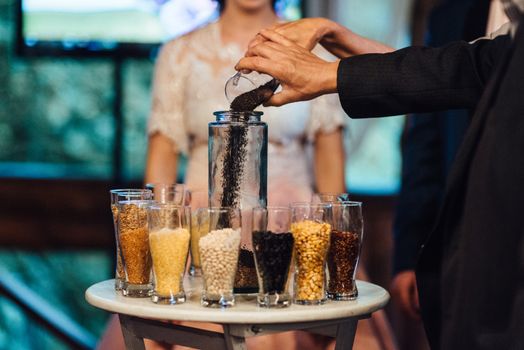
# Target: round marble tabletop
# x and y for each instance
(102, 295)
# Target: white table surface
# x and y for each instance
(102, 295)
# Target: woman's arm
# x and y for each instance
(329, 160)
(162, 160)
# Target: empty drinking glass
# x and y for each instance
(169, 193)
(199, 199)
(329, 197)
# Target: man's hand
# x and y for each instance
(404, 290)
(337, 39)
(305, 32)
(302, 75)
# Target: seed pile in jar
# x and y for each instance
(134, 243)
(169, 248)
(311, 245)
(246, 280)
(219, 256)
(120, 273)
(273, 255)
(342, 261)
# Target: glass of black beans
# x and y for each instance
(344, 250)
(273, 250)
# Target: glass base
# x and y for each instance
(309, 302)
(343, 296)
(218, 301)
(195, 271)
(119, 284)
(274, 300)
(169, 299)
(137, 290)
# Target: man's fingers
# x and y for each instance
(259, 39)
(256, 63)
(276, 37)
(267, 49)
(280, 99)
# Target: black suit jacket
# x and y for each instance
(471, 271)
(431, 140)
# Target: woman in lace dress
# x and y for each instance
(189, 86)
(305, 148)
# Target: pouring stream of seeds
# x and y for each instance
(236, 143)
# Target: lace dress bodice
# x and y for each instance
(189, 86)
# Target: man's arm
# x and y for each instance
(414, 79)
(417, 79)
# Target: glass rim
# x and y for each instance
(129, 190)
(273, 208)
(310, 205)
(219, 208)
(167, 184)
(239, 113)
(145, 202)
(330, 193)
(346, 204)
(157, 204)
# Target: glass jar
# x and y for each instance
(238, 178)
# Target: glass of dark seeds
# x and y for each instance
(273, 250)
(344, 250)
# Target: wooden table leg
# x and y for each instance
(346, 334)
(132, 341)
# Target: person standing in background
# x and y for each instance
(305, 150)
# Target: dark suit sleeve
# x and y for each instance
(418, 79)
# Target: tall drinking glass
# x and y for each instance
(273, 247)
(219, 246)
(169, 193)
(116, 196)
(329, 197)
(199, 200)
(169, 236)
(344, 252)
(133, 238)
(311, 230)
